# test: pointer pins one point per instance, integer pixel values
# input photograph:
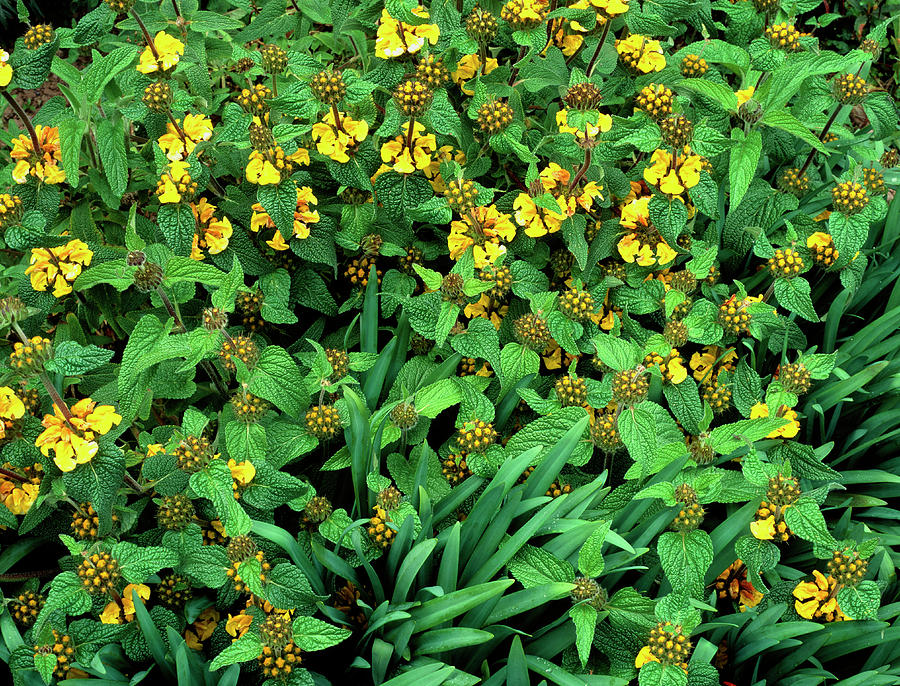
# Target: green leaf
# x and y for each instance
(742, 164)
(729, 437)
(215, 484)
(280, 202)
(287, 586)
(590, 558)
(71, 133)
(517, 361)
(794, 295)
(784, 120)
(247, 647)
(759, 556)
(685, 557)
(314, 634)
(861, 601)
(177, 223)
(533, 567)
(746, 388)
(585, 619)
(277, 378)
(139, 562)
(806, 521)
(184, 269)
(111, 145)
(717, 92)
(669, 216)
(66, 594)
(72, 359)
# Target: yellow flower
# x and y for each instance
(702, 363)
(11, 405)
(242, 472)
(396, 153)
(196, 128)
(21, 498)
(6, 71)
(155, 449)
(303, 217)
(445, 153)
(676, 370)
(202, 628)
(483, 229)
(334, 141)
(568, 43)
(112, 613)
(169, 50)
(261, 171)
(644, 656)
(487, 309)
(789, 430)
(58, 267)
(641, 53)
(467, 67)
(74, 441)
(237, 625)
(175, 182)
(212, 233)
(818, 598)
(537, 221)
(604, 124)
(744, 95)
(395, 38)
(673, 174)
(42, 164)
(819, 239)
(763, 529)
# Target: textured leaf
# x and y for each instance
(277, 378)
(742, 166)
(71, 358)
(314, 634)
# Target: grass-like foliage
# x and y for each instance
(376, 342)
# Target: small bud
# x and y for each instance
(583, 96)
(148, 277)
(136, 258)
(38, 35)
(214, 319)
(413, 98)
(274, 59)
(481, 25)
(328, 87)
(120, 6)
(158, 96)
(494, 116)
(11, 210)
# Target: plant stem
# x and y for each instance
(593, 62)
(515, 69)
(20, 113)
(812, 153)
(147, 38)
(15, 477)
(48, 386)
(178, 129)
(131, 483)
(275, 85)
(177, 11)
(410, 134)
(337, 117)
(583, 170)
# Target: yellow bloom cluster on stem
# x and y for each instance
(42, 164)
(73, 439)
(58, 267)
(163, 56)
(486, 230)
(406, 159)
(303, 217)
(395, 38)
(673, 174)
(181, 137)
(212, 233)
(336, 137)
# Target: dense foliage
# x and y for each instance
(397, 343)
